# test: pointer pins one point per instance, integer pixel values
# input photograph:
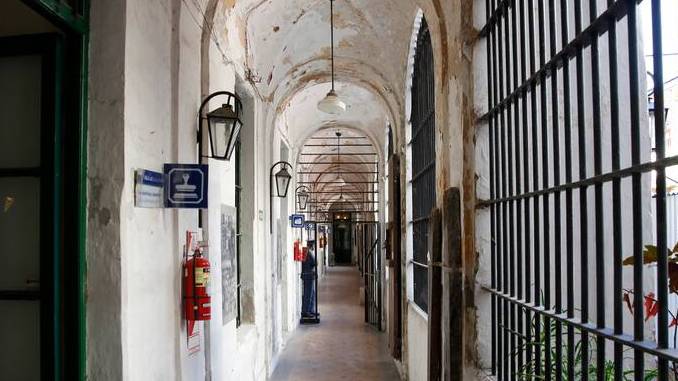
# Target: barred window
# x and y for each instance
(423, 154)
(579, 277)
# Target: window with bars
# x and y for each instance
(422, 146)
(572, 187)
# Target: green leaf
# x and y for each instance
(649, 256)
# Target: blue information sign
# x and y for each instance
(297, 220)
(148, 189)
(186, 186)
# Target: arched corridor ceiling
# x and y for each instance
(288, 52)
(288, 56)
(288, 41)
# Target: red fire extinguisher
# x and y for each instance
(297, 251)
(196, 279)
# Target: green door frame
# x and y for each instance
(72, 17)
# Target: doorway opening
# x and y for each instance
(342, 239)
(42, 178)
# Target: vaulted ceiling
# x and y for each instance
(288, 51)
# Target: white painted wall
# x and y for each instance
(146, 89)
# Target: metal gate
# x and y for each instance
(570, 179)
(369, 255)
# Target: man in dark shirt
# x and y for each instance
(308, 276)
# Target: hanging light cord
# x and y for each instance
(332, 37)
(341, 187)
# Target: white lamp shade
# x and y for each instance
(331, 104)
(340, 181)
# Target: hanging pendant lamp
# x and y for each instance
(332, 104)
(340, 179)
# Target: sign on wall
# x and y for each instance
(229, 263)
(148, 189)
(186, 186)
(297, 220)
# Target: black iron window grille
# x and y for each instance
(422, 144)
(238, 232)
(570, 188)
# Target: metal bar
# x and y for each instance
(494, 17)
(517, 314)
(618, 316)
(638, 319)
(555, 121)
(569, 253)
(662, 244)
(423, 171)
(493, 267)
(509, 230)
(649, 347)
(546, 224)
(636, 169)
(598, 197)
(535, 181)
(616, 11)
(583, 218)
(526, 179)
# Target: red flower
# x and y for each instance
(651, 306)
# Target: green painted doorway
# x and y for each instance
(43, 71)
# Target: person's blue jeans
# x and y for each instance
(308, 297)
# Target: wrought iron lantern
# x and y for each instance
(282, 183)
(302, 196)
(224, 125)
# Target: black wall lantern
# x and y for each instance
(282, 183)
(303, 194)
(223, 124)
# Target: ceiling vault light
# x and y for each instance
(340, 179)
(331, 104)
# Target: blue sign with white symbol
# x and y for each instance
(297, 220)
(186, 186)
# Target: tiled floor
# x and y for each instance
(342, 346)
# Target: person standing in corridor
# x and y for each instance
(308, 276)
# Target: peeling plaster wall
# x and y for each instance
(105, 181)
(452, 36)
(147, 78)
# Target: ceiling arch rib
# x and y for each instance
(340, 171)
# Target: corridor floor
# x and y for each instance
(342, 346)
